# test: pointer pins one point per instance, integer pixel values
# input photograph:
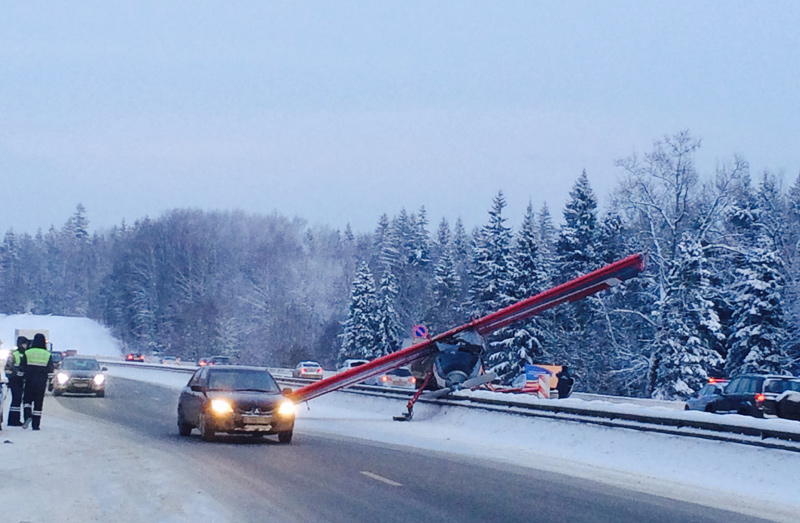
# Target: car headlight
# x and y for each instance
(99, 379)
(286, 408)
(62, 378)
(220, 407)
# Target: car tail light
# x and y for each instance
(384, 378)
(412, 379)
(760, 398)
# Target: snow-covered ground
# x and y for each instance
(751, 480)
(81, 334)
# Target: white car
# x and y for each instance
(351, 364)
(401, 378)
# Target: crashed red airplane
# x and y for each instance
(453, 360)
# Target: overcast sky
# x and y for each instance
(339, 111)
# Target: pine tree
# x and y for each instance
(446, 311)
(759, 324)
(693, 328)
(389, 333)
(491, 277)
(524, 342)
(578, 248)
(359, 336)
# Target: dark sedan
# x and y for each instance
(710, 392)
(80, 374)
(235, 400)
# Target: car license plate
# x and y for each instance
(257, 420)
(81, 385)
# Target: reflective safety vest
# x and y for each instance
(37, 357)
(17, 356)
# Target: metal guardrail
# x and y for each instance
(712, 430)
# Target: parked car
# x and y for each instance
(308, 369)
(202, 362)
(708, 393)
(80, 374)
(135, 356)
(351, 364)
(753, 394)
(235, 400)
(401, 377)
(56, 357)
(220, 360)
(170, 360)
(787, 405)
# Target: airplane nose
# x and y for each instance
(455, 378)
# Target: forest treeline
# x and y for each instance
(719, 295)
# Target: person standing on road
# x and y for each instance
(16, 381)
(37, 368)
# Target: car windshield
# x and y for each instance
(778, 386)
(74, 364)
(399, 372)
(311, 365)
(238, 379)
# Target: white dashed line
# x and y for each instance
(381, 479)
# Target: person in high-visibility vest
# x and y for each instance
(16, 382)
(37, 368)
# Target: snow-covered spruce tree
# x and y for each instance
(527, 340)
(792, 293)
(692, 325)
(359, 336)
(759, 323)
(389, 333)
(493, 279)
(578, 252)
(446, 309)
(578, 248)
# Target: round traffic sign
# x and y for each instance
(420, 331)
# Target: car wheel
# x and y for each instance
(686, 407)
(184, 429)
(56, 392)
(285, 436)
(206, 432)
(101, 394)
(711, 409)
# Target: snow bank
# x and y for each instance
(82, 334)
(92, 471)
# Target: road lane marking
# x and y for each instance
(381, 479)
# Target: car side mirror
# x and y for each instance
(286, 391)
(196, 388)
(104, 369)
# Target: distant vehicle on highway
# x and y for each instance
(220, 360)
(308, 369)
(135, 356)
(709, 392)
(753, 394)
(351, 364)
(401, 377)
(235, 400)
(80, 374)
(170, 360)
(787, 405)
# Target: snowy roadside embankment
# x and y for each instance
(91, 471)
(759, 482)
(81, 334)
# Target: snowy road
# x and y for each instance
(328, 477)
(123, 461)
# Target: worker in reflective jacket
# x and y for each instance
(16, 382)
(37, 368)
